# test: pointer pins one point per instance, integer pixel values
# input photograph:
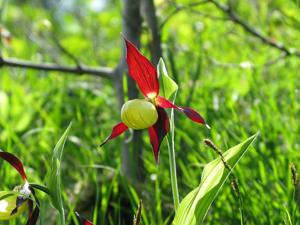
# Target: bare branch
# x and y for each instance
(235, 18)
(207, 15)
(245, 64)
(65, 51)
(173, 13)
(179, 8)
(104, 72)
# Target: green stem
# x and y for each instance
(241, 210)
(173, 162)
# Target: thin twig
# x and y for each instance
(235, 18)
(104, 72)
(275, 60)
(246, 64)
(207, 15)
(173, 13)
(65, 51)
(179, 8)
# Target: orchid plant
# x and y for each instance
(14, 203)
(23, 197)
(148, 113)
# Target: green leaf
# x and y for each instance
(54, 178)
(4, 109)
(297, 2)
(193, 208)
(167, 86)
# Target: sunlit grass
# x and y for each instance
(237, 101)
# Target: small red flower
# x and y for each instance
(149, 112)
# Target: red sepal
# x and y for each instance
(33, 213)
(142, 71)
(116, 131)
(158, 131)
(190, 113)
(15, 162)
(82, 220)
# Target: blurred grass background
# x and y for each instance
(239, 84)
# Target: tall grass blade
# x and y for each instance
(54, 177)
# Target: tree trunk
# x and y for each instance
(131, 152)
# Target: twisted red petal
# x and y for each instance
(142, 71)
(15, 162)
(190, 113)
(158, 131)
(82, 220)
(116, 131)
(33, 214)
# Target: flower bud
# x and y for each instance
(139, 114)
(8, 205)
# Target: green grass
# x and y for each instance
(36, 107)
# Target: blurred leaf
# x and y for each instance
(167, 86)
(193, 208)
(54, 178)
(297, 2)
(4, 105)
(23, 121)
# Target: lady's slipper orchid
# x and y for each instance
(9, 204)
(149, 112)
(12, 205)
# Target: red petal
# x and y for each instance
(15, 162)
(116, 131)
(158, 131)
(33, 215)
(142, 71)
(82, 220)
(190, 113)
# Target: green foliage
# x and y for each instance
(54, 177)
(168, 87)
(297, 2)
(193, 208)
(229, 76)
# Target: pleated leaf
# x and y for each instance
(168, 87)
(193, 208)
